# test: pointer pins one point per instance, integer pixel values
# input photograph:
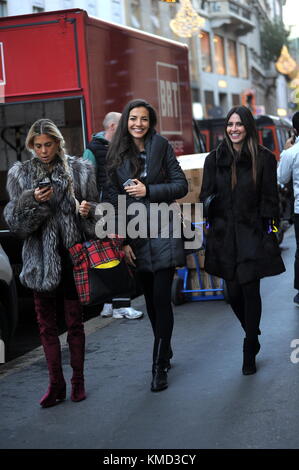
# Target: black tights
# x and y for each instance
(157, 292)
(245, 300)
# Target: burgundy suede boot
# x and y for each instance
(76, 340)
(45, 308)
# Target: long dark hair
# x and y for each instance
(122, 146)
(250, 144)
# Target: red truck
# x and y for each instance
(73, 69)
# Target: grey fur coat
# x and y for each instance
(44, 226)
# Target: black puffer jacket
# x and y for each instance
(237, 240)
(166, 182)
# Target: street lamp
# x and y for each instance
(186, 22)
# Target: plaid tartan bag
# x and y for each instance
(100, 271)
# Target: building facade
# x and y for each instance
(226, 60)
(109, 10)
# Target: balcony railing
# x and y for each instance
(231, 13)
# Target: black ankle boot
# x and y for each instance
(161, 364)
(250, 350)
(159, 381)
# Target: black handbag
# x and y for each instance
(106, 284)
(100, 271)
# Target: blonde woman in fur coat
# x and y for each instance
(45, 194)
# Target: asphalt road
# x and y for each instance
(209, 403)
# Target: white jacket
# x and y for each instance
(288, 168)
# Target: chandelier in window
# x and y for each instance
(186, 22)
(286, 64)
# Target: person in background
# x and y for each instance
(96, 152)
(97, 149)
(241, 247)
(138, 153)
(47, 193)
(288, 169)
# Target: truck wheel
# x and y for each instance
(177, 296)
(4, 330)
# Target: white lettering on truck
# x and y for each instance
(169, 99)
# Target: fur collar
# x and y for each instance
(60, 177)
(224, 157)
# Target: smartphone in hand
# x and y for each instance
(129, 182)
(46, 183)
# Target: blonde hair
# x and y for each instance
(45, 126)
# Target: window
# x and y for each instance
(37, 10)
(232, 58)
(268, 139)
(155, 17)
(205, 47)
(219, 55)
(3, 8)
(236, 100)
(209, 102)
(243, 61)
(195, 93)
(223, 103)
(203, 4)
(135, 11)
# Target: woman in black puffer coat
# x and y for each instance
(241, 247)
(137, 152)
